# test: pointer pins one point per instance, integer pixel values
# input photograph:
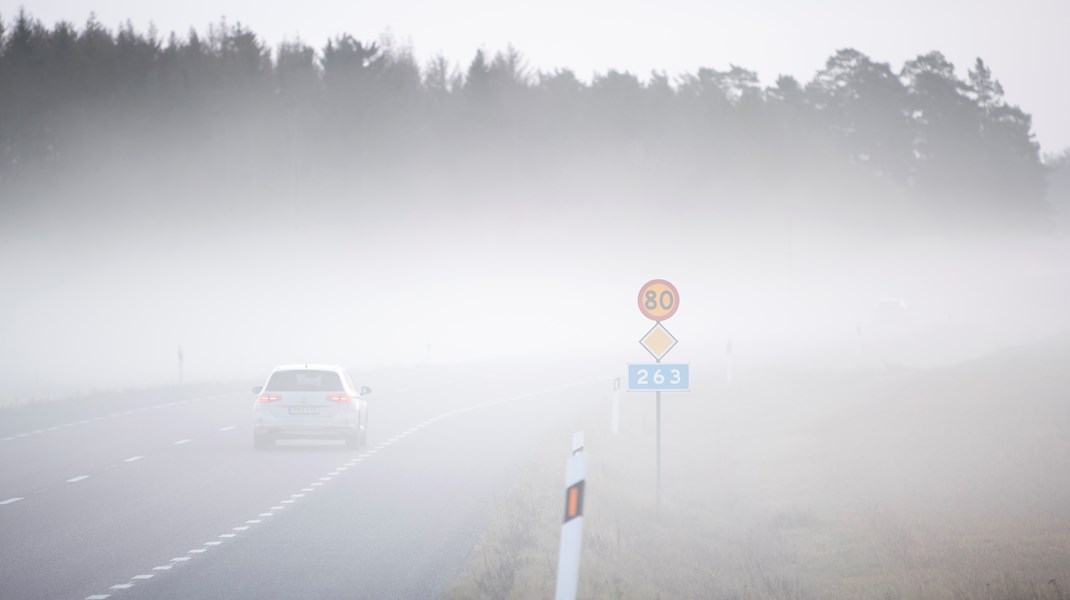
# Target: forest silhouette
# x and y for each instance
(80, 106)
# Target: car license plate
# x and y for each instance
(304, 410)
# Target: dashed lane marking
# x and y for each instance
(133, 458)
(331, 475)
(180, 442)
(10, 501)
(78, 478)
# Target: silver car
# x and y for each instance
(310, 401)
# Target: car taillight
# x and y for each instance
(340, 398)
(269, 397)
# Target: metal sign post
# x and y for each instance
(658, 301)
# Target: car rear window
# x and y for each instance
(304, 381)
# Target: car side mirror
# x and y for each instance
(365, 390)
(257, 389)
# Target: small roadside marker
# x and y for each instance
(568, 558)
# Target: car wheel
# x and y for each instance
(353, 441)
(263, 441)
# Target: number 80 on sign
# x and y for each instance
(659, 377)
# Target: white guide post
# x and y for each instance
(568, 558)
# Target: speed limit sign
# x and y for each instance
(658, 299)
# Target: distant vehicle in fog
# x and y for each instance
(310, 402)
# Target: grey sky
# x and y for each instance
(1026, 43)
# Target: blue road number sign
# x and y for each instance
(659, 377)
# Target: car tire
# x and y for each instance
(263, 441)
(353, 441)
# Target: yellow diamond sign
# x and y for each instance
(658, 341)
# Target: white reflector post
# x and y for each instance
(568, 558)
(614, 417)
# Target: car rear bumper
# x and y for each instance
(306, 427)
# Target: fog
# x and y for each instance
(187, 213)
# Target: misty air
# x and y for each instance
(467, 301)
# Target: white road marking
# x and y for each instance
(98, 597)
(228, 427)
(7, 439)
(277, 507)
(333, 473)
(253, 521)
(317, 483)
(162, 568)
(267, 514)
(10, 501)
(122, 586)
(365, 455)
(77, 479)
(180, 442)
(133, 458)
(147, 576)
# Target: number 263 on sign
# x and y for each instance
(659, 377)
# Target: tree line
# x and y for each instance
(224, 102)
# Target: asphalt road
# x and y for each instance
(161, 495)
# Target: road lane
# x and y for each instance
(145, 500)
(397, 524)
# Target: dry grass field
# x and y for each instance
(947, 483)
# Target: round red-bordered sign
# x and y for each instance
(658, 300)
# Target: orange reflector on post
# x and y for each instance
(574, 501)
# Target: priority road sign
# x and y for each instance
(658, 341)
